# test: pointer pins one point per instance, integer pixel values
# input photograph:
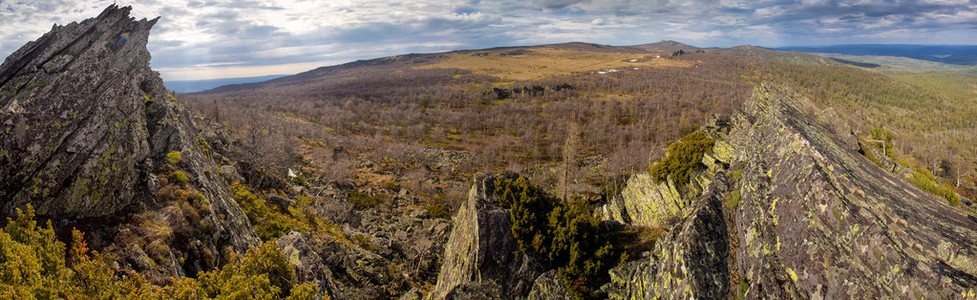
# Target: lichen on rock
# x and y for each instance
(481, 256)
(85, 128)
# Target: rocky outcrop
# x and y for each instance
(548, 287)
(643, 202)
(819, 220)
(86, 130)
(688, 263)
(482, 259)
(808, 217)
(646, 203)
(306, 262)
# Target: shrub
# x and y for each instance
(174, 157)
(363, 200)
(683, 157)
(178, 177)
(438, 210)
(880, 134)
(36, 265)
(298, 180)
(566, 236)
(391, 185)
(269, 223)
(925, 180)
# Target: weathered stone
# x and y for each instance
(307, 264)
(688, 263)
(815, 219)
(548, 287)
(481, 257)
(86, 128)
(645, 203)
(819, 220)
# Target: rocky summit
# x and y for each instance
(806, 216)
(90, 135)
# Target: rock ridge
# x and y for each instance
(88, 134)
(808, 216)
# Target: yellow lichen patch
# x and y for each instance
(545, 62)
(793, 275)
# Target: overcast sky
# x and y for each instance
(201, 39)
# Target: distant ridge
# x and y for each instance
(665, 47)
(950, 54)
(191, 86)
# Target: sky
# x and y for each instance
(207, 39)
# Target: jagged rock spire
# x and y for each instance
(85, 126)
(71, 144)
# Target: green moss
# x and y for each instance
(174, 157)
(744, 287)
(178, 177)
(363, 200)
(734, 199)
(683, 157)
(32, 85)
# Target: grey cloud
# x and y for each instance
(556, 4)
(241, 37)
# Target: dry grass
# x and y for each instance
(545, 62)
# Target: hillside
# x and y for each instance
(961, 55)
(557, 171)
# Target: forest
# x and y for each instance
(398, 121)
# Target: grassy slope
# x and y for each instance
(539, 63)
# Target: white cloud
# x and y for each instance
(233, 38)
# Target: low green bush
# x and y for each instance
(178, 177)
(298, 180)
(565, 236)
(925, 180)
(683, 157)
(268, 222)
(438, 210)
(174, 157)
(38, 266)
(363, 200)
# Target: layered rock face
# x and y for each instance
(86, 129)
(817, 219)
(481, 257)
(814, 219)
(689, 262)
